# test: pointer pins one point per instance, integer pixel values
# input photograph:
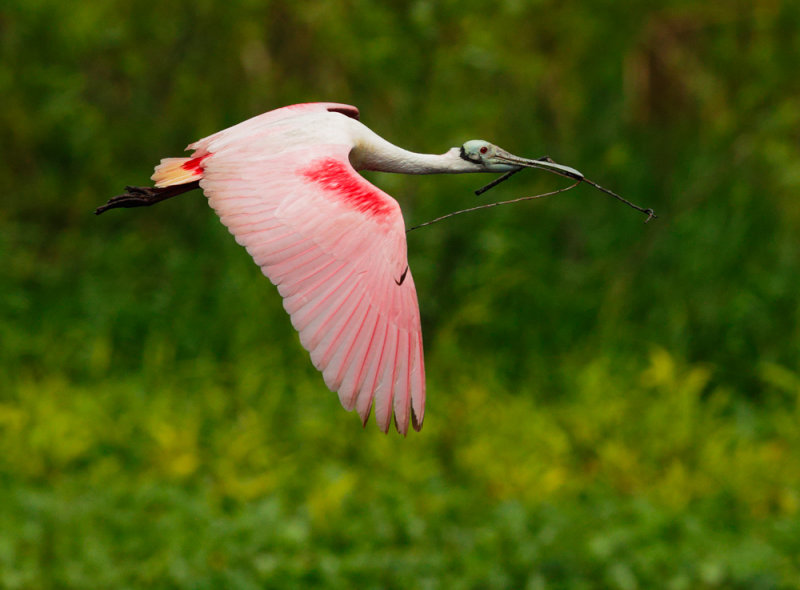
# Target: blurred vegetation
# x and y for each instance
(611, 404)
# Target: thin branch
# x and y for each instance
(649, 212)
(497, 181)
(488, 205)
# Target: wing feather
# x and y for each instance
(329, 331)
(338, 355)
(353, 375)
(308, 260)
(372, 363)
(402, 397)
(307, 318)
(295, 291)
(328, 308)
(386, 383)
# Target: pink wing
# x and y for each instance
(335, 247)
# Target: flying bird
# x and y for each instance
(286, 185)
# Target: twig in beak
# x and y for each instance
(561, 171)
(649, 212)
(497, 181)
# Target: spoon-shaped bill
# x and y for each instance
(543, 164)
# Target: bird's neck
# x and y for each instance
(372, 152)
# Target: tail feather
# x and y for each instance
(174, 171)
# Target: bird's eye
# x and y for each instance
(484, 149)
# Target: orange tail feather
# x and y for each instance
(173, 171)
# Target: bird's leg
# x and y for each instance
(144, 196)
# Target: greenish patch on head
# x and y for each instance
(486, 155)
(476, 150)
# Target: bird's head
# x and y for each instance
(484, 154)
(494, 159)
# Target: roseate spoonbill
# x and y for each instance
(285, 184)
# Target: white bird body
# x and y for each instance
(285, 185)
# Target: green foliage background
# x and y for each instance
(611, 404)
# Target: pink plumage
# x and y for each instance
(334, 245)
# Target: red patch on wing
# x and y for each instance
(195, 164)
(340, 180)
